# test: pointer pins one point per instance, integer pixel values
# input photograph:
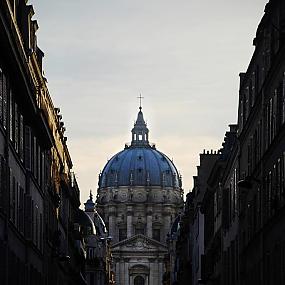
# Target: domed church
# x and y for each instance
(139, 195)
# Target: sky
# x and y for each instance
(184, 57)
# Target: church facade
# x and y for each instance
(139, 195)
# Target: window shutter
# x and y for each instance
(28, 216)
(21, 210)
(16, 128)
(1, 181)
(28, 147)
(43, 171)
(21, 133)
(39, 164)
(1, 94)
(5, 99)
(3, 185)
(11, 116)
(35, 161)
(283, 99)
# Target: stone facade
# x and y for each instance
(40, 238)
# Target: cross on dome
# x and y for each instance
(140, 97)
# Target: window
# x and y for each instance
(5, 101)
(156, 234)
(1, 94)
(11, 116)
(140, 231)
(21, 134)
(16, 127)
(28, 148)
(122, 234)
(21, 209)
(283, 99)
(139, 280)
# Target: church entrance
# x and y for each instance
(139, 275)
(139, 280)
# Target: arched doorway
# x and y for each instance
(139, 280)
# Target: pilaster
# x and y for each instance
(130, 214)
(149, 221)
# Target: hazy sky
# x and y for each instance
(183, 56)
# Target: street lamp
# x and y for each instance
(247, 182)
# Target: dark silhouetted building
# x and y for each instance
(261, 119)
(41, 228)
(240, 236)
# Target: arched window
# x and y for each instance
(139, 280)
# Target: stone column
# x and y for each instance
(151, 271)
(161, 270)
(149, 221)
(167, 221)
(112, 222)
(127, 282)
(129, 221)
(121, 279)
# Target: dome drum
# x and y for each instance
(139, 194)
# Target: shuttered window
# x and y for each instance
(1, 94)
(16, 128)
(21, 137)
(21, 210)
(28, 148)
(5, 101)
(11, 117)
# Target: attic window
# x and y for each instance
(140, 157)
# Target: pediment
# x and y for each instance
(139, 243)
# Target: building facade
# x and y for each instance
(243, 206)
(262, 154)
(207, 161)
(40, 233)
(139, 195)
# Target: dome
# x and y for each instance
(99, 223)
(139, 164)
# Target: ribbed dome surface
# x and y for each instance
(139, 166)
